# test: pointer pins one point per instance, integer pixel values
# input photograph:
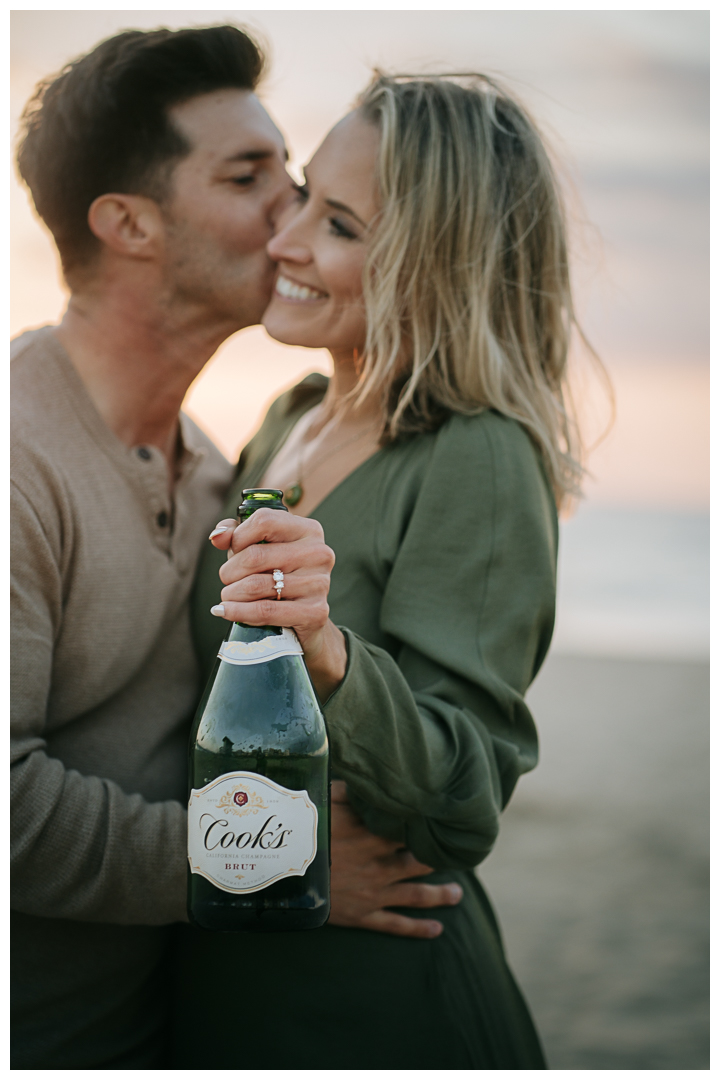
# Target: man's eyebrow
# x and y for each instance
(253, 155)
(346, 210)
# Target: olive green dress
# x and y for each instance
(444, 586)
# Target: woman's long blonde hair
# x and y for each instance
(466, 283)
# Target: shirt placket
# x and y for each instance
(151, 468)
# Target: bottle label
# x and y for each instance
(246, 832)
(259, 652)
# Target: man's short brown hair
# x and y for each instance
(102, 124)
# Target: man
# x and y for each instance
(160, 175)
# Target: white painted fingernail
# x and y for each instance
(216, 532)
(218, 610)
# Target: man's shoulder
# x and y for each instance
(30, 360)
(32, 345)
(34, 372)
(29, 348)
(47, 436)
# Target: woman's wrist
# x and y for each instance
(326, 659)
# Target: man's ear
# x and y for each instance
(131, 225)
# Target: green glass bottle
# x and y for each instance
(258, 810)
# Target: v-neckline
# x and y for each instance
(344, 480)
(278, 447)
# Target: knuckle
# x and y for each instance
(267, 609)
(404, 927)
(263, 517)
(386, 921)
(324, 584)
(254, 555)
(426, 929)
(258, 585)
(320, 612)
(417, 895)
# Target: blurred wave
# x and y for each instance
(634, 583)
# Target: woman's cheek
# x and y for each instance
(346, 277)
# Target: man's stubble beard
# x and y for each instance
(224, 286)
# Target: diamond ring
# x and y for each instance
(279, 582)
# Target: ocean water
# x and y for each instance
(633, 583)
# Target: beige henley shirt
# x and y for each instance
(104, 682)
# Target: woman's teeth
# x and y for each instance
(285, 287)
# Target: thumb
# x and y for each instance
(222, 534)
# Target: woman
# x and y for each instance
(427, 253)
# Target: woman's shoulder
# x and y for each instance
(489, 447)
(298, 399)
(479, 471)
(486, 456)
(493, 463)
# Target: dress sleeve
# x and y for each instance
(81, 848)
(432, 735)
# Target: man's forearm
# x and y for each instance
(84, 849)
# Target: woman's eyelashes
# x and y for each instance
(337, 225)
(338, 228)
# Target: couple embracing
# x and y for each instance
(426, 251)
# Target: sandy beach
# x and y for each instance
(600, 875)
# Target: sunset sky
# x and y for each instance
(623, 97)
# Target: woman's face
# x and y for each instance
(321, 244)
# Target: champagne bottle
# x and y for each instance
(258, 811)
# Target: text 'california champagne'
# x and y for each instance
(258, 812)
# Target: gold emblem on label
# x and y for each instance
(239, 801)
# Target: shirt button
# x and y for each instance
(144, 453)
(162, 519)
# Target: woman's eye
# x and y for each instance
(244, 181)
(338, 228)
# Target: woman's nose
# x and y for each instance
(287, 244)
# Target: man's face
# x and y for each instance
(224, 199)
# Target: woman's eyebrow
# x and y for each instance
(346, 210)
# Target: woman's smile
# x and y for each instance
(296, 291)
